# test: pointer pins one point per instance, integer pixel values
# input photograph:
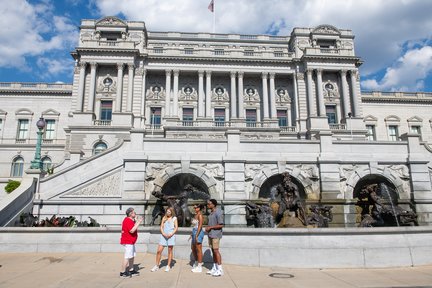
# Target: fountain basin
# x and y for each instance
(268, 247)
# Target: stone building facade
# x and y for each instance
(227, 113)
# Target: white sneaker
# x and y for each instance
(155, 268)
(194, 265)
(217, 273)
(167, 269)
(197, 269)
(213, 270)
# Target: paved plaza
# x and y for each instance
(94, 270)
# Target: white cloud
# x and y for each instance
(407, 74)
(32, 30)
(53, 66)
(381, 27)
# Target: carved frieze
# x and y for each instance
(252, 170)
(250, 95)
(400, 170)
(153, 170)
(155, 92)
(188, 93)
(214, 170)
(330, 90)
(220, 94)
(108, 187)
(282, 96)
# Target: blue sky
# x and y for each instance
(393, 37)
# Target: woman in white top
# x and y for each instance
(197, 238)
(168, 229)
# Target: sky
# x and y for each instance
(392, 37)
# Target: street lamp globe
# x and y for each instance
(41, 123)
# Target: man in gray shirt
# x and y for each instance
(214, 230)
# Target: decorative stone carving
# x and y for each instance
(330, 90)
(111, 21)
(401, 171)
(106, 84)
(153, 170)
(188, 93)
(326, 29)
(250, 95)
(345, 171)
(107, 187)
(300, 76)
(155, 92)
(219, 94)
(282, 96)
(309, 172)
(252, 170)
(214, 170)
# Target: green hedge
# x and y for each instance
(12, 185)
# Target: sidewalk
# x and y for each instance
(102, 270)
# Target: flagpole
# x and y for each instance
(214, 16)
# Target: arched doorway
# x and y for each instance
(268, 188)
(176, 184)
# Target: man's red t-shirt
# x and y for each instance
(126, 236)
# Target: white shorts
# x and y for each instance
(130, 251)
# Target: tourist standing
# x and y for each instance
(129, 236)
(168, 229)
(197, 238)
(214, 230)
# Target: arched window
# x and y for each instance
(46, 163)
(99, 148)
(17, 167)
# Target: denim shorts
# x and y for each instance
(200, 235)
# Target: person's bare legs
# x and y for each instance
(131, 263)
(194, 251)
(198, 252)
(159, 254)
(170, 255)
(124, 264)
(217, 258)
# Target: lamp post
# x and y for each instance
(36, 162)
(350, 123)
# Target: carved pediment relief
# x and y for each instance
(370, 118)
(155, 92)
(326, 29)
(392, 118)
(110, 21)
(330, 89)
(109, 186)
(50, 112)
(106, 84)
(24, 111)
(415, 119)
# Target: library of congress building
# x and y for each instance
(229, 114)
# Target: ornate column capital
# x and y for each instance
(208, 72)
(82, 65)
(240, 74)
(93, 65)
(131, 66)
(343, 72)
(319, 71)
(272, 75)
(233, 74)
(264, 75)
(120, 66)
(176, 73)
(167, 72)
(309, 71)
(201, 73)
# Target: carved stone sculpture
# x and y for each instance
(320, 216)
(259, 215)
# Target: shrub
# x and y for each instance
(12, 185)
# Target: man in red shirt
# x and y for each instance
(129, 236)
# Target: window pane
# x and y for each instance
(106, 111)
(251, 118)
(393, 133)
(23, 125)
(370, 132)
(46, 164)
(415, 129)
(99, 147)
(155, 118)
(17, 167)
(187, 116)
(331, 114)
(219, 116)
(50, 129)
(282, 118)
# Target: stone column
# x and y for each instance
(92, 91)
(296, 102)
(310, 97)
(265, 95)
(241, 112)
(119, 87)
(355, 111)
(208, 94)
(345, 95)
(143, 97)
(201, 94)
(175, 93)
(321, 106)
(130, 87)
(81, 86)
(272, 97)
(167, 92)
(233, 99)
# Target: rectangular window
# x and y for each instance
(282, 118)
(49, 129)
(370, 135)
(23, 126)
(393, 133)
(219, 116)
(106, 111)
(219, 52)
(187, 116)
(189, 51)
(415, 130)
(248, 53)
(155, 119)
(278, 53)
(331, 114)
(159, 50)
(251, 118)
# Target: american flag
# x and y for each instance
(211, 6)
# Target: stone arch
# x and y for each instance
(273, 181)
(266, 173)
(389, 175)
(209, 183)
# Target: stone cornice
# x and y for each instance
(366, 99)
